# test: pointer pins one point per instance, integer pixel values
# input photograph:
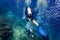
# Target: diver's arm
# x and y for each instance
(35, 22)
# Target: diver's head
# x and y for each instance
(29, 11)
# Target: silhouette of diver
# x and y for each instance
(29, 16)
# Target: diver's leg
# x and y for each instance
(41, 31)
(43, 34)
(30, 33)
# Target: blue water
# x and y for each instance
(45, 12)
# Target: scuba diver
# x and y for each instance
(29, 16)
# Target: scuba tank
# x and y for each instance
(29, 13)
